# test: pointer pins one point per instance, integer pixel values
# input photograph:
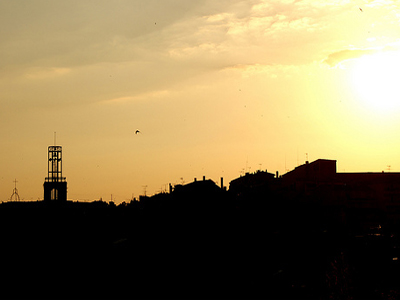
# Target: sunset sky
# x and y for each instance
(215, 87)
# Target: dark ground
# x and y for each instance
(96, 250)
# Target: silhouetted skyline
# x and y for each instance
(315, 233)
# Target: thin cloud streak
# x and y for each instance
(335, 58)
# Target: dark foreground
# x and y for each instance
(96, 250)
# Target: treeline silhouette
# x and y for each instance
(198, 242)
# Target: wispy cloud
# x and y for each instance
(339, 56)
(268, 71)
(268, 33)
(46, 73)
(128, 99)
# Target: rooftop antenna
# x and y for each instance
(247, 169)
(286, 168)
(306, 157)
(55, 138)
(145, 190)
(15, 191)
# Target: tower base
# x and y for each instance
(55, 191)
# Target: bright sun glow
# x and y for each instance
(376, 79)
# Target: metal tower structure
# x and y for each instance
(55, 185)
(15, 192)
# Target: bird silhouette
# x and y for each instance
(137, 131)
(361, 9)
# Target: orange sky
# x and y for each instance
(213, 86)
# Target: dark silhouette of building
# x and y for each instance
(199, 194)
(305, 180)
(369, 190)
(197, 188)
(260, 182)
(309, 175)
(55, 185)
(369, 197)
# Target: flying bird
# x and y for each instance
(361, 9)
(137, 131)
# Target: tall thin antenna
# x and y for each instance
(285, 164)
(247, 170)
(55, 138)
(145, 190)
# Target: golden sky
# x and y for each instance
(215, 87)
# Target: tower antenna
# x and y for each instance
(15, 192)
(55, 138)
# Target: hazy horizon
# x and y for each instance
(213, 87)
